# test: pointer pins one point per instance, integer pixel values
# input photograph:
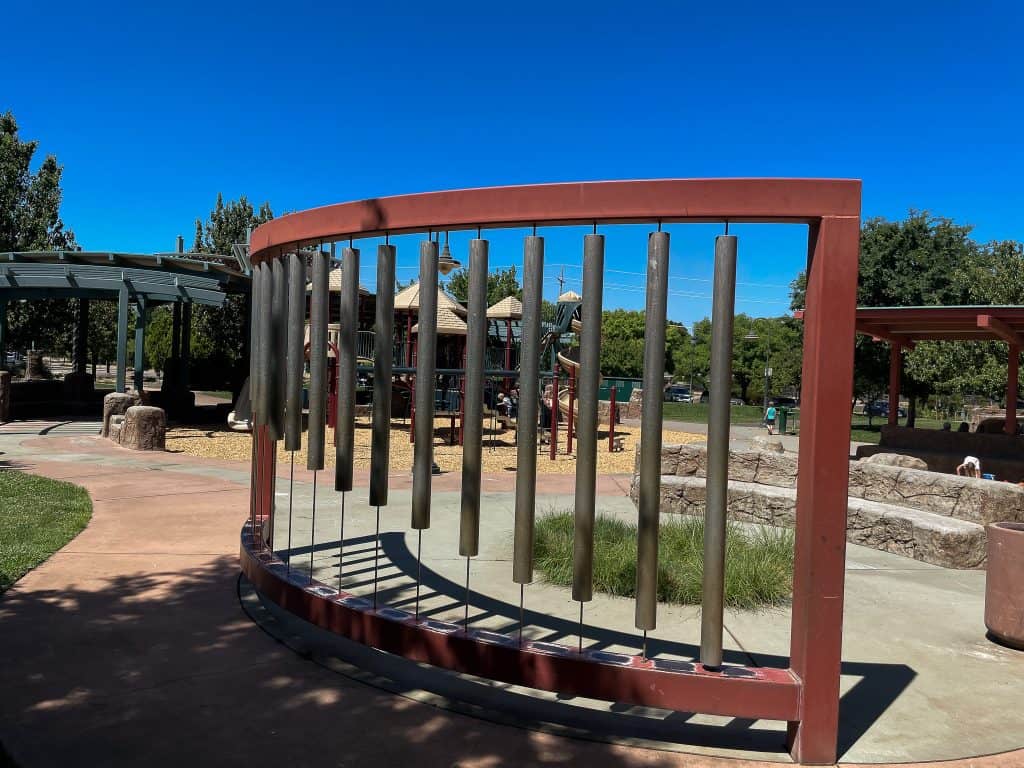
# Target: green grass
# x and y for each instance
(221, 393)
(697, 413)
(38, 516)
(759, 561)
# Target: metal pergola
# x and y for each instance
(137, 281)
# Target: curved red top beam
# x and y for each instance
(668, 200)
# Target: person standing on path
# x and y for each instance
(769, 419)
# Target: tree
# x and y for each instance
(30, 221)
(922, 260)
(220, 335)
(500, 284)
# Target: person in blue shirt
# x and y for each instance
(769, 419)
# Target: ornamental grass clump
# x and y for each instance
(759, 560)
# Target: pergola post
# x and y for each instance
(141, 316)
(122, 338)
(895, 357)
(1012, 378)
(3, 334)
(176, 331)
(81, 336)
(186, 344)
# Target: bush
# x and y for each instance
(758, 561)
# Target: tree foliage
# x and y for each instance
(500, 284)
(30, 221)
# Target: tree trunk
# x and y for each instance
(911, 411)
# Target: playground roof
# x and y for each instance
(201, 278)
(448, 323)
(409, 299)
(334, 283)
(509, 308)
(570, 296)
(905, 325)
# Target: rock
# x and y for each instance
(144, 428)
(895, 460)
(5, 396)
(763, 443)
(116, 403)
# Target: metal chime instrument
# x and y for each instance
(278, 308)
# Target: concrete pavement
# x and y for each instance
(130, 645)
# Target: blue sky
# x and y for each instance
(153, 110)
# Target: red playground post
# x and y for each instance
(568, 416)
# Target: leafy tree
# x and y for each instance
(30, 221)
(220, 335)
(502, 283)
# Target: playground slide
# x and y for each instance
(569, 362)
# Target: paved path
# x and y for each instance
(129, 646)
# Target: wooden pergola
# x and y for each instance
(902, 327)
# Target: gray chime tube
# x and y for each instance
(255, 343)
(346, 425)
(295, 350)
(278, 367)
(383, 344)
(426, 365)
(586, 450)
(266, 331)
(473, 407)
(529, 400)
(722, 310)
(318, 359)
(649, 499)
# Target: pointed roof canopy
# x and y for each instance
(409, 299)
(570, 296)
(509, 308)
(448, 323)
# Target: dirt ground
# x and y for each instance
(499, 449)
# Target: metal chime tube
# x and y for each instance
(255, 340)
(649, 500)
(529, 404)
(295, 351)
(295, 357)
(317, 360)
(266, 334)
(383, 342)
(279, 316)
(426, 364)
(586, 448)
(345, 437)
(349, 302)
(476, 350)
(723, 306)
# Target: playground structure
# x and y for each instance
(806, 694)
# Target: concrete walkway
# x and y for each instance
(129, 646)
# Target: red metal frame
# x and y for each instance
(806, 694)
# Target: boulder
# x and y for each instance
(116, 403)
(766, 443)
(144, 428)
(895, 460)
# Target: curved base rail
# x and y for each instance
(738, 691)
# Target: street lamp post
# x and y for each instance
(767, 360)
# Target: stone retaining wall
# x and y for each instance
(979, 501)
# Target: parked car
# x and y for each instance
(785, 402)
(677, 395)
(732, 400)
(881, 408)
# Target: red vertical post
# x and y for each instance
(462, 393)
(823, 473)
(569, 415)
(1012, 380)
(895, 358)
(611, 420)
(408, 339)
(554, 409)
(508, 351)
